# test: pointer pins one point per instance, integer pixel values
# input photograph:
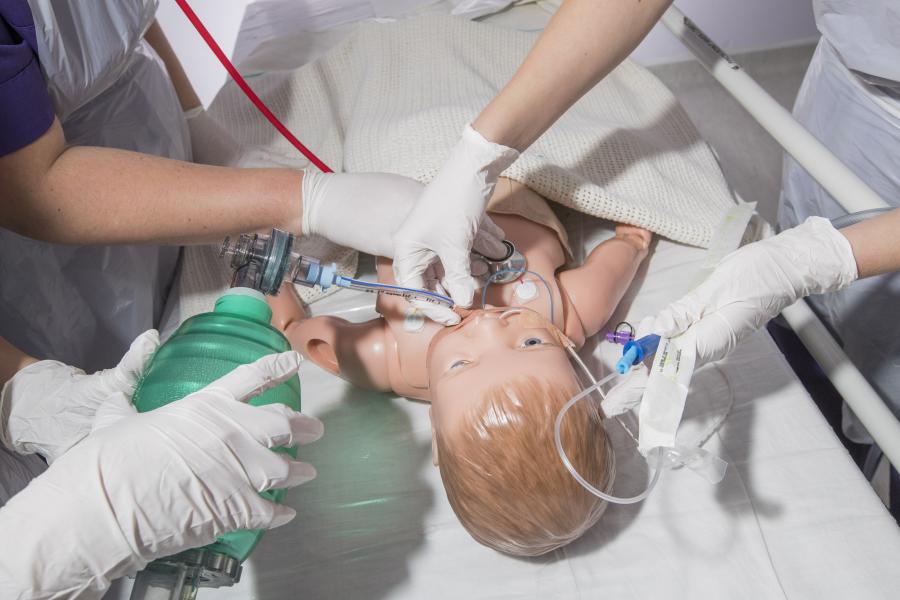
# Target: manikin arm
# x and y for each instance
(353, 351)
(595, 288)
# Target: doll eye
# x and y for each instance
(532, 341)
(457, 364)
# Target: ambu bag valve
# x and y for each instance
(203, 349)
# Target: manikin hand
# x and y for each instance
(449, 220)
(48, 407)
(755, 283)
(142, 486)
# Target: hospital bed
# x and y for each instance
(793, 518)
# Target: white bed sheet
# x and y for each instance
(793, 518)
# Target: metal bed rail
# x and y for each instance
(845, 187)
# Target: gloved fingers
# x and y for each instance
(248, 381)
(295, 473)
(491, 229)
(458, 279)
(627, 394)
(645, 327)
(116, 407)
(489, 240)
(714, 338)
(478, 267)
(437, 312)
(127, 373)
(268, 470)
(265, 514)
(291, 427)
(411, 265)
(678, 316)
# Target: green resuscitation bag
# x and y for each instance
(203, 349)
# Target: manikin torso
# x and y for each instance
(391, 352)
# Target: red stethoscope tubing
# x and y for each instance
(242, 83)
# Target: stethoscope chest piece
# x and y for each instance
(507, 268)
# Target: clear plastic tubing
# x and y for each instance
(657, 453)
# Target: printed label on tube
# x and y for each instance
(666, 393)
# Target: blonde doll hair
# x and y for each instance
(504, 478)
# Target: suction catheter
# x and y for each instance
(264, 262)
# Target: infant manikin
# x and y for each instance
(497, 379)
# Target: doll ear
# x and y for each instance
(322, 353)
(434, 448)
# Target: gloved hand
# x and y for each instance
(755, 283)
(358, 210)
(446, 219)
(48, 407)
(142, 486)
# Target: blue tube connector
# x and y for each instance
(636, 351)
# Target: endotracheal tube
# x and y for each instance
(264, 262)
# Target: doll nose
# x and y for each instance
(486, 324)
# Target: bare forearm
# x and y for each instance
(88, 195)
(584, 41)
(876, 244)
(12, 360)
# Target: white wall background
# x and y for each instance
(736, 25)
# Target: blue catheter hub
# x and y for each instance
(636, 351)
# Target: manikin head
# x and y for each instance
(497, 382)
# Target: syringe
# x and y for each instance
(263, 262)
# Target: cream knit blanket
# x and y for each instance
(395, 97)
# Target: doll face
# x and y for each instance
(485, 349)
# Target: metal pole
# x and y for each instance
(843, 185)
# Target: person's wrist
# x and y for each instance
(488, 156)
(313, 189)
(826, 254)
(32, 377)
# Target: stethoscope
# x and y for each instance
(506, 268)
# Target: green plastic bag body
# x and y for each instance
(206, 347)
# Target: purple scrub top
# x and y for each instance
(26, 111)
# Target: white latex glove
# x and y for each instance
(48, 407)
(444, 223)
(142, 486)
(358, 210)
(211, 144)
(755, 283)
